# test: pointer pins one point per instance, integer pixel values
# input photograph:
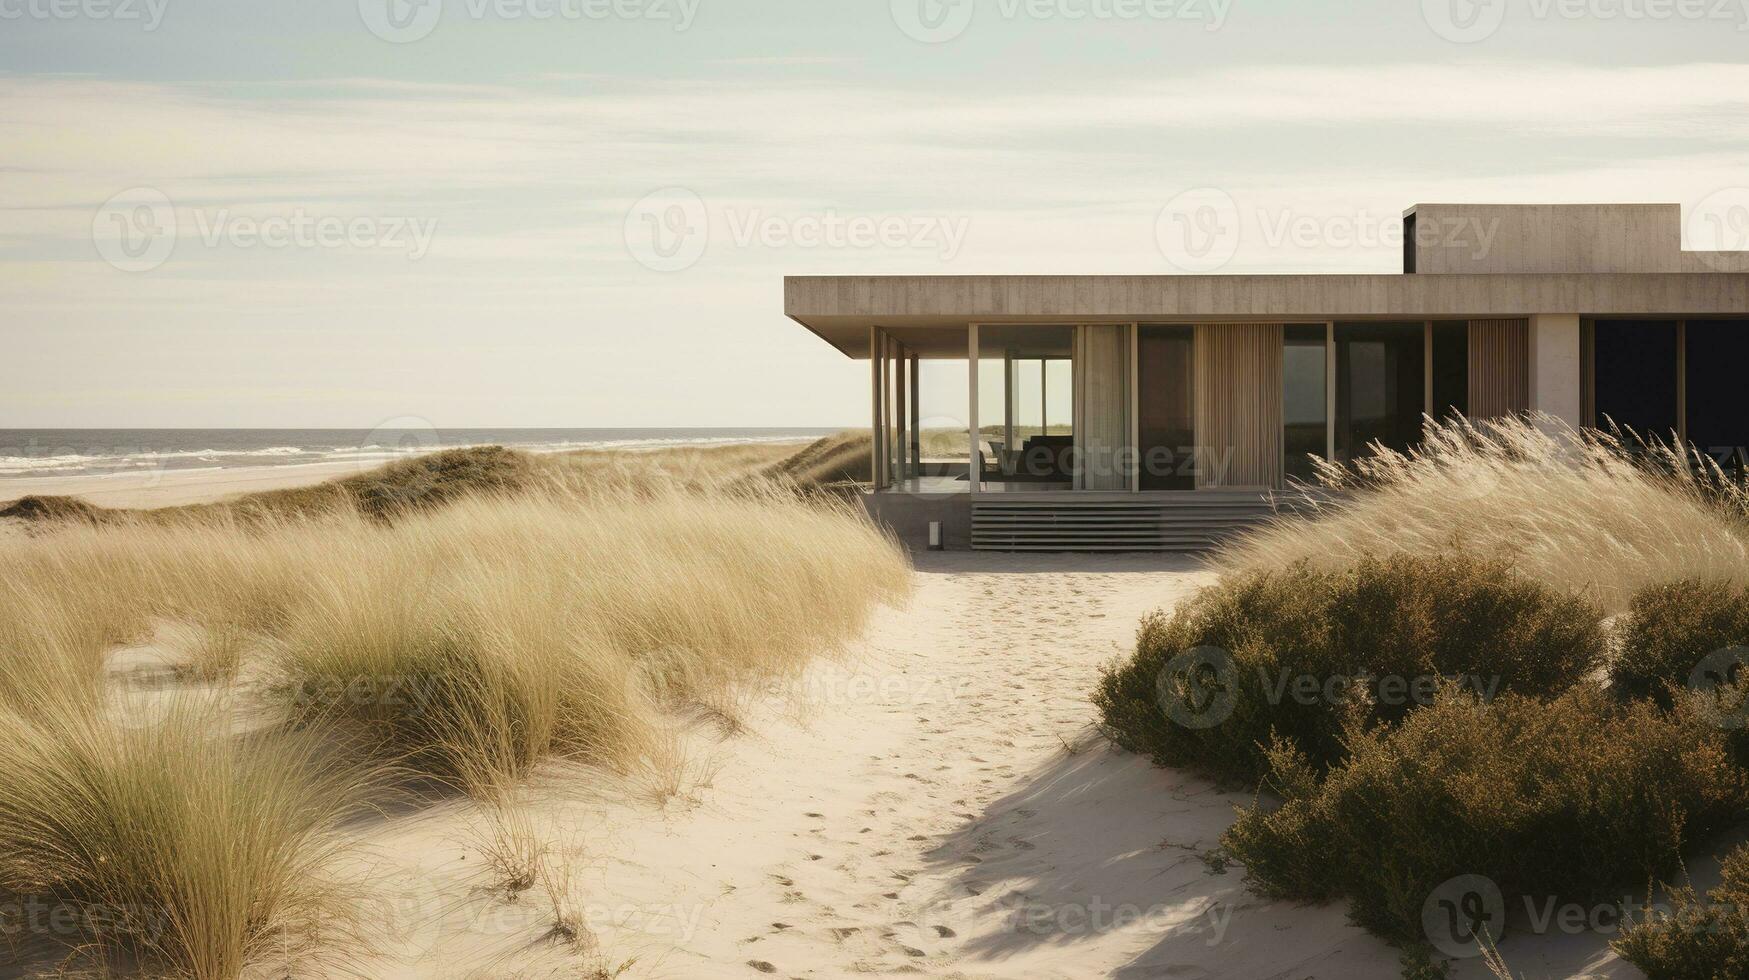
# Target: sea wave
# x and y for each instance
(124, 460)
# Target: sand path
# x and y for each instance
(942, 811)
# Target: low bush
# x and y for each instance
(1670, 629)
(1696, 938)
(1304, 653)
(1559, 798)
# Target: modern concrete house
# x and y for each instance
(1158, 412)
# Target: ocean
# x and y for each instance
(87, 452)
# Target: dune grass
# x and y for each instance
(1587, 513)
(523, 611)
(165, 843)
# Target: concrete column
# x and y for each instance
(1555, 367)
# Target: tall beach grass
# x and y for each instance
(1584, 512)
(463, 637)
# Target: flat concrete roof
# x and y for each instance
(930, 313)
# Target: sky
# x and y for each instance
(579, 213)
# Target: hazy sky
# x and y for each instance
(337, 212)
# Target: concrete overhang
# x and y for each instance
(930, 313)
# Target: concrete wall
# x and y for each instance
(1555, 374)
(908, 515)
(1558, 238)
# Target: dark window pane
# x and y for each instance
(1166, 420)
(1634, 375)
(1380, 386)
(1304, 408)
(1451, 368)
(1718, 412)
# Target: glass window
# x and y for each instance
(1304, 406)
(1165, 419)
(1451, 369)
(1380, 386)
(1716, 352)
(1634, 375)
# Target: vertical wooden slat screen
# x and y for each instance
(1102, 403)
(1499, 368)
(1238, 405)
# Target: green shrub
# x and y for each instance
(1696, 939)
(1559, 798)
(1303, 652)
(1669, 629)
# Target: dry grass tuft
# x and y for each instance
(1581, 512)
(168, 842)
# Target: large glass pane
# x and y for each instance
(1718, 416)
(1304, 405)
(1017, 392)
(1634, 375)
(1166, 421)
(1380, 386)
(1451, 368)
